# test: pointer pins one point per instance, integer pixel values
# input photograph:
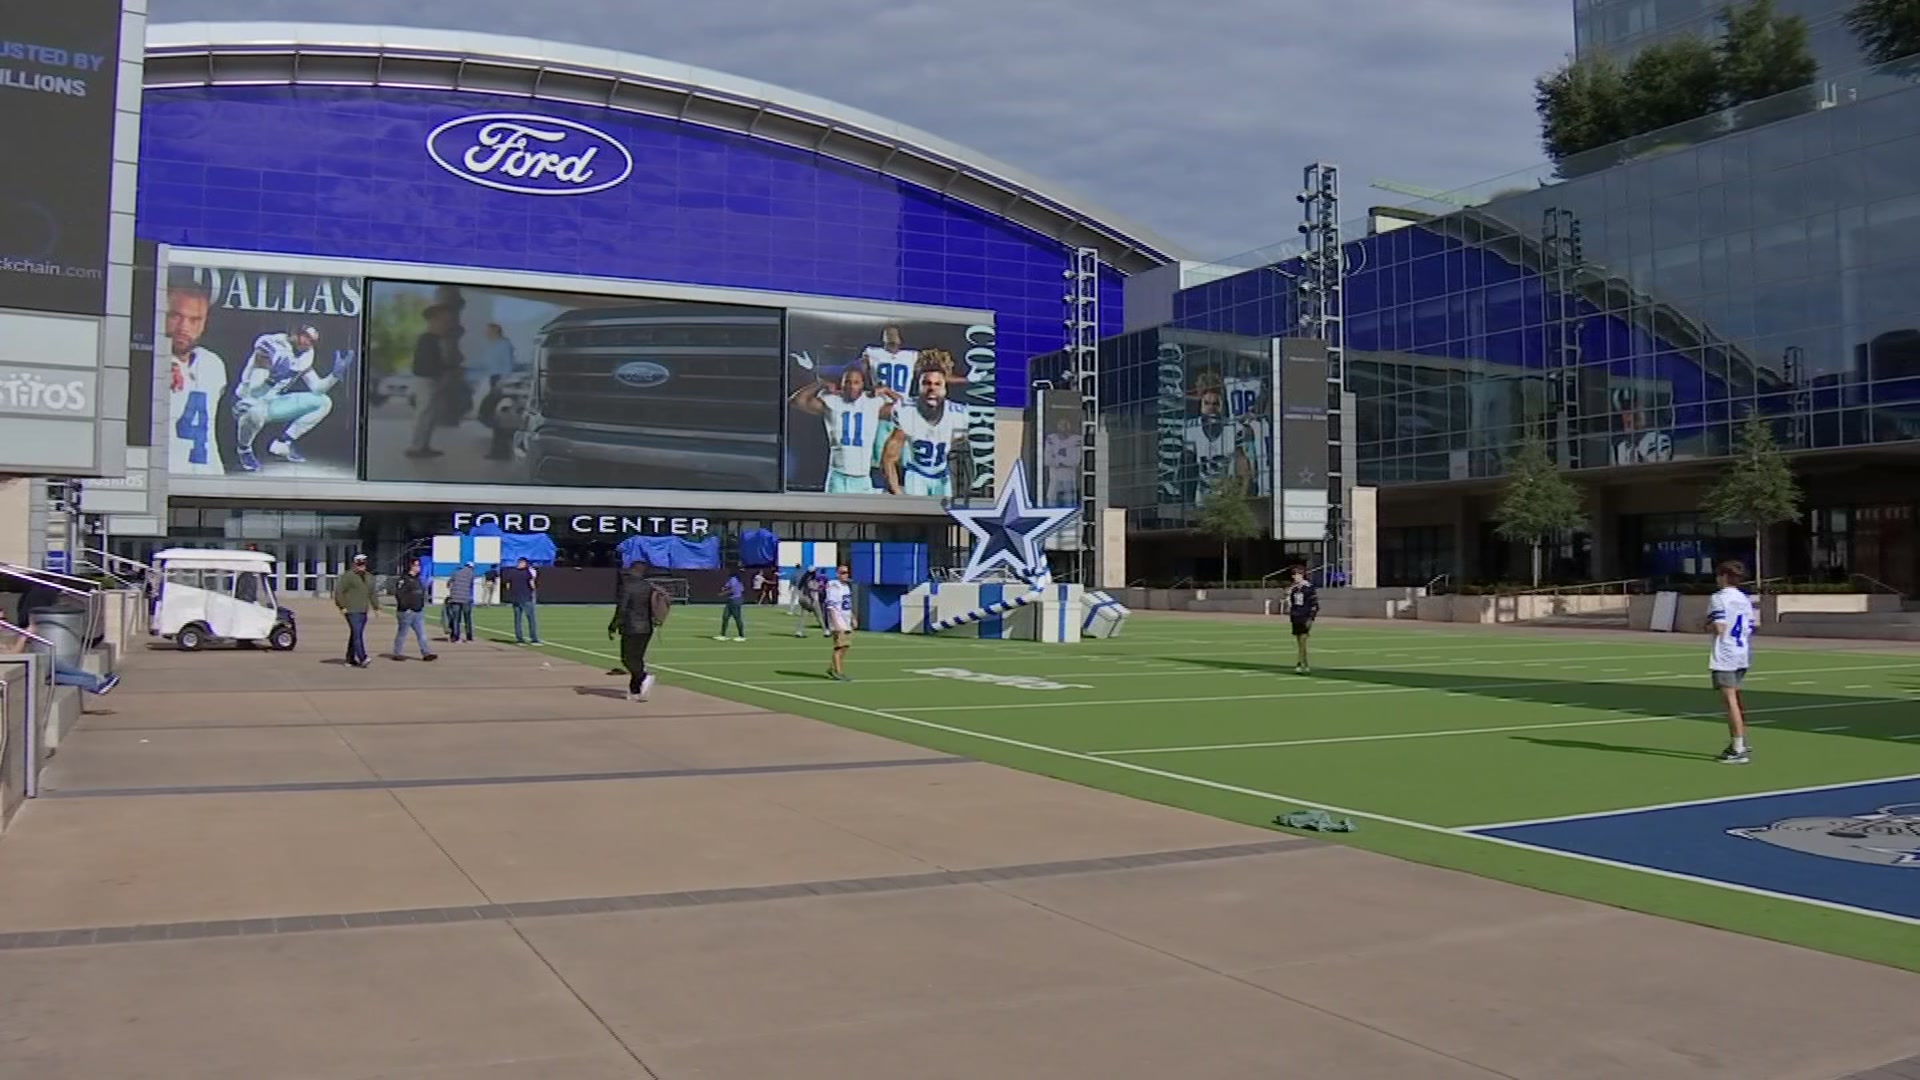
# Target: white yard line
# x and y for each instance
(1306, 694)
(1400, 735)
(1269, 796)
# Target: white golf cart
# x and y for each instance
(209, 595)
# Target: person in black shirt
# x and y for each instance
(1303, 606)
(410, 604)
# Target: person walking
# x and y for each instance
(800, 600)
(1303, 606)
(490, 586)
(356, 598)
(520, 587)
(642, 609)
(410, 611)
(459, 604)
(735, 613)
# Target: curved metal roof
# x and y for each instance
(318, 54)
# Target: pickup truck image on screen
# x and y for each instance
(668, 395)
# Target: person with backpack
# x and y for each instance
(409, 611)
(643, 608)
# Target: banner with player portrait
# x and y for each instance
(1220, 409)
(260, 370)
(483, 385)
(879, 406)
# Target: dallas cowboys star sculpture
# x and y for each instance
(1010, 534)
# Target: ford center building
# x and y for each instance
(412, 280)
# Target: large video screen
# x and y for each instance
(260, 369)
(513, 386)
(881, 406)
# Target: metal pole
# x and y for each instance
(1322, 292)
(1083, 356)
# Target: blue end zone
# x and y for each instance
(1857, 845)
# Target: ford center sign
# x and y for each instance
(529, 155)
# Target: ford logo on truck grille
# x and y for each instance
(641, 374)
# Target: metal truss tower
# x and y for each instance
(1564, 255)
(1083, 359)
(1321, 289)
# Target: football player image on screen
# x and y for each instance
(1256, 447)
(1211, 439)
(852, 416)
(919, 454)
(1061, 454)
(265, 393)
(198, 378)
(891, 362)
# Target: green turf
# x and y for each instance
(1392, 728)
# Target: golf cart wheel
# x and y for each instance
(191, 638)
(283, 639)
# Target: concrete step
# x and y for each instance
(1863, 618)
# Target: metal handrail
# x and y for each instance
(1436, 580)
(43, 577)
(1625, 585)
(1877, 584)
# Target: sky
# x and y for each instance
(1190, 119)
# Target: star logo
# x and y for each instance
(1009, 535)
(1307, 477)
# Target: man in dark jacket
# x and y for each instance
(459, 604)
(642, 608)
(356, 598)
(1303, 606)
(520, 586)
(410, 606)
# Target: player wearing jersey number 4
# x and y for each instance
(1730, 619)
(198, 377)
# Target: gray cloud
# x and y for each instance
(1192, 119)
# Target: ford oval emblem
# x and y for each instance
(641, 374)
(529, 155)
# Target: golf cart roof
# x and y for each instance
(213, 559)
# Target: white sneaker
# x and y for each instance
(646, 689)
(739, 639)
(799, 633)
(719, 637)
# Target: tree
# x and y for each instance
(1758, 488)
(1762, 53)
(1581, 105)
(1671, 82)
(1538, 501)
(1887, 30)
(1227, 515)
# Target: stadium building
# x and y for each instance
(410, 281)
(1633, 305)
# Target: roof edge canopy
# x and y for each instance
(319, 54)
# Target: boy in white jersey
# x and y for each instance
(853, 419)
(837, 600)
(1730, 619)
(198, 379)
(261, 396)
(923, 441)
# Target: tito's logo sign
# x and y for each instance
(529, 155)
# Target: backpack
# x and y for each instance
(659, 605)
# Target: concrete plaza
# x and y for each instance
(267, 866)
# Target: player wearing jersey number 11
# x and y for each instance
(1730, 619)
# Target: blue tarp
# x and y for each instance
(759, 547)
(671, 552)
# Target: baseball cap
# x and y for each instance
(308, 330)
(360, 558)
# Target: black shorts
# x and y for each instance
(1302, 627)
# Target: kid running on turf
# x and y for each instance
(1303, 606)
(837, 600)
(1730, 620)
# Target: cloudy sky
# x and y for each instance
(1193, 119)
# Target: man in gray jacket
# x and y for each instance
(459, 604)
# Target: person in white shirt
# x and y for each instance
(837, 599)
(198, 379)
(1730, 619)
(262, 395)
(922, 444)
(853, 417)
(1062, 458)
(1214, 441)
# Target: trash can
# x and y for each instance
(67, 629)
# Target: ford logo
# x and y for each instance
(641, 374)
(529, 155)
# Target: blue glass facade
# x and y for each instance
(344, 172)
(1647, 307)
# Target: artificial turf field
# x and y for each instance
(1580, 765)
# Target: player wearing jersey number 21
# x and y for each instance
(1730, 619)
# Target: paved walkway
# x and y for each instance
(260, 866)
